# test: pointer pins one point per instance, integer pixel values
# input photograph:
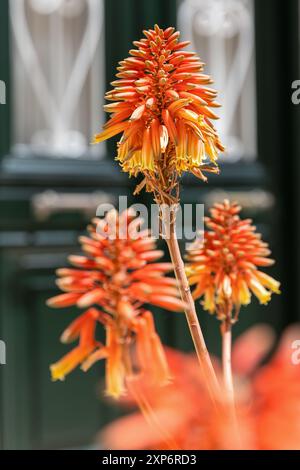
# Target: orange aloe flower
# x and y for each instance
(224, 267)
(112, 281)
(196, 426)
(276, 387)
(162, 106)
(268, 401)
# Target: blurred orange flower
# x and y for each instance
(267, 402)
(185, 412)
(224, 267)
(115, 277)
(276, 387)
(162, 107)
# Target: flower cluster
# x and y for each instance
(224, 267)
(112, 281)
(162, 105)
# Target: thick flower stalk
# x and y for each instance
(115, 277)
(225, 270)
(163, 108)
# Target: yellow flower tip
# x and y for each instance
(243, 293)
(264, 299)
(268, 281)
(275, 289)
(245, 300)
(115, 378)
(115, 392)
(188, 271)
(209, 303)
(262, 294)
(56, 373)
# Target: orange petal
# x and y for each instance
(188, 115)
(74, 284)
(164, 138)
(147, 151)
(69, 362)
(115, 371)
(82, 261)
(170, 125)
(64, 300)
(96, 356)
(178, 104)
(92, 297)
(268, 281)
(105, 263)
(118, 117)
(259, 291)
(72, 272)
(151, 255)
(110, 132)
(137, 113)
(143, 344)
(152, 270)
(170, 303)
(155, 137)
(262, 261)
(161, 373)
(73, 331)
(164, 281)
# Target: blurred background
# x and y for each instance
(56, 59)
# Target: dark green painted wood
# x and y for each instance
(277, 54)
(4, 76)
(4, 148)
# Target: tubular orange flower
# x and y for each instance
(115, 277)
(162, 105)
(225, 268)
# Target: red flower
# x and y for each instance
(115, 277)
